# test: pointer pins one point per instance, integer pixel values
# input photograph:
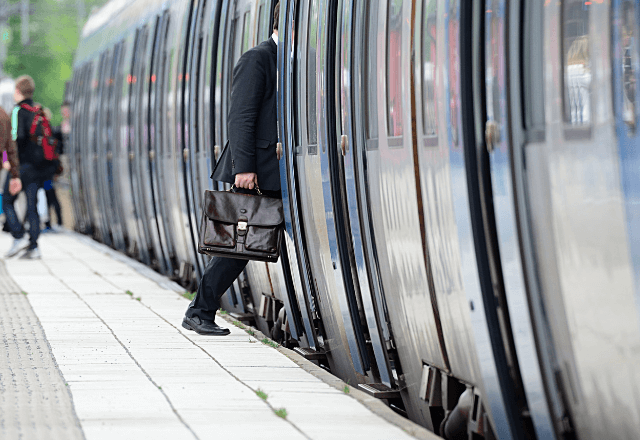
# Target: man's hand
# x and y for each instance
(15, 186)
(6, 165)
(246, 180)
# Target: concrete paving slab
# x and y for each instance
(134, 372)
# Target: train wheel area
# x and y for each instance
(94, 349)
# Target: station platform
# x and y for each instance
(93, 347)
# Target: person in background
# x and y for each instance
(13, 185)
(31, 172)
(51, 174)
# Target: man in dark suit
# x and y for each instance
(249, 161)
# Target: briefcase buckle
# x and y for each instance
(242, 226)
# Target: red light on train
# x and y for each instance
(153, 78)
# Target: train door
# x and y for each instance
(316, 194)
(360, 252)
(156, 134)
(109, 138)
(121, 160)
(142, 244)
(234, 39)
(394, 249)
(101, 230)
(81, 209)
(187, 138)
(199, 174)
(143, 149)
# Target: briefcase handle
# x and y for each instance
(234, 188)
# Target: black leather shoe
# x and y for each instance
(204, 327)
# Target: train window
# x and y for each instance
(533, 73)
(394, 68)
(428, 67)
(577, 65)
(629, 46)
(312, 123)
(261, 21)
(246, 34)
(370, 60)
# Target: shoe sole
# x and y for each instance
(189, 327)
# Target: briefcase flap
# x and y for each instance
(228, 207)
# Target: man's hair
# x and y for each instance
(276, 15)
(26, 86)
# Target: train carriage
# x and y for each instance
(460, 183)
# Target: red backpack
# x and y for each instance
(40, 133)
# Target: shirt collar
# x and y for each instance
(275, 38)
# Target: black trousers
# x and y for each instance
(218, 276)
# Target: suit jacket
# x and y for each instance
(252, 123)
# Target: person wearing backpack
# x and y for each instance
(29, 130)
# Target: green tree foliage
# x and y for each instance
(54, 32)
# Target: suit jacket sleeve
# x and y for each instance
(247, 93)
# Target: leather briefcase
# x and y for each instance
(244, 226)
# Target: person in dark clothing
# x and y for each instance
(30, 172)
(249, 160)
(52, 172)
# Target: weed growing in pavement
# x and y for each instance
(269, 342)
(346, 389)
(129, 292)
(189, 295)
(282, 412)
(251, 341)
(261, 394)
(138, 299)
(159, 388)
(239, 324)
(251, 332)
(24, 293)
(223, 312)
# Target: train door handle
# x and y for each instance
(344, 144)
(109, 156)
(185, 154)
(491, 135)
(152, 154)
(279, 150)
(131, 156)
(216, 151)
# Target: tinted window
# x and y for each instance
(312, 124)
(394, 67)
(577, 65)
(371, 73)
(629, 62)
(428, 71)
(246, 32)
(261, 21)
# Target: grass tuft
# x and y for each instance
(269, 342)
(261, 394)
(251, 332)
(239, 324)
(189, 295)
(281, 412)
(138, 299)
(129, 292)
(223, 312)
(24, 293)
(346, 389)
